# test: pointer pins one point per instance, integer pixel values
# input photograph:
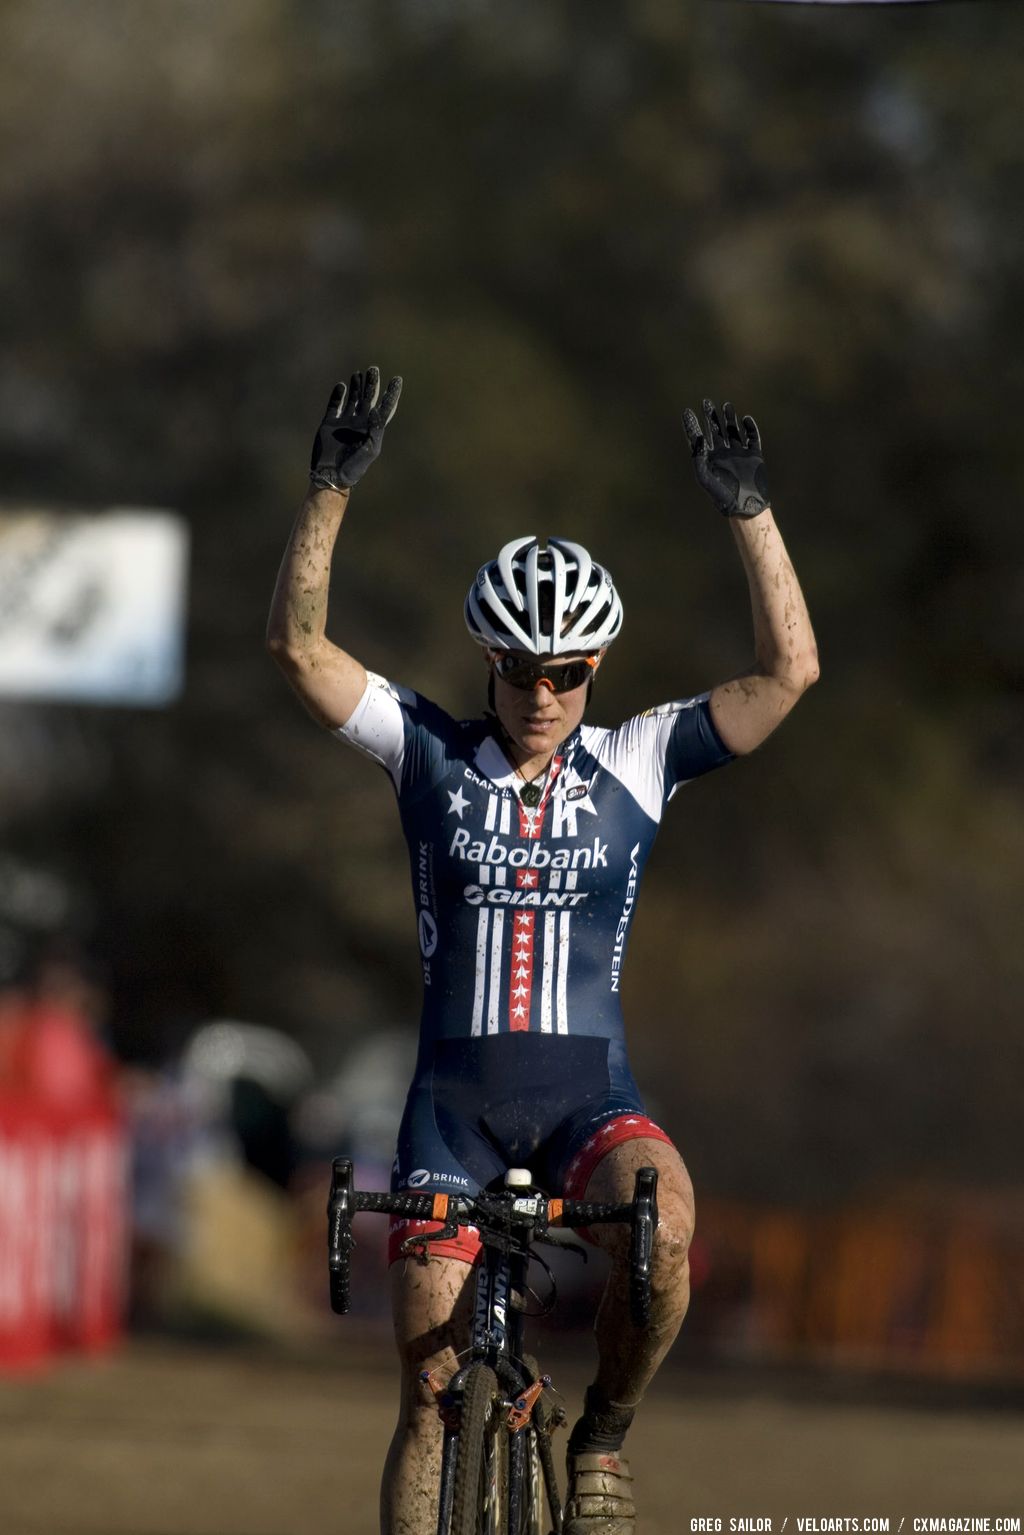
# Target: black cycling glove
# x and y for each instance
(351, 432)
(728, 464)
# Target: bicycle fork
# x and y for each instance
(497, 1342)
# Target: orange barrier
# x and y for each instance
(929, 1285)
(63, 1229)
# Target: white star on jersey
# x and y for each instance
(459, 802)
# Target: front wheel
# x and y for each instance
(480, 1497)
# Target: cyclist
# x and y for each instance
(527, 832)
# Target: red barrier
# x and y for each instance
(63, 1229)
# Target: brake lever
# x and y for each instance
(641, 1244)
(340, 1240)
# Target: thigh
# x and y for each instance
(612, 1181)
(431, 1304)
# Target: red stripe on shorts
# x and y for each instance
(615, 1132)
(466, 1246)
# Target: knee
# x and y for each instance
(419, 1415)
(418, 1359)
(418, 1395)
(670, 1269)
(613, 1181)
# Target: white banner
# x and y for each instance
(92, 607)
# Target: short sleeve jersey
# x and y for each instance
(523, 914)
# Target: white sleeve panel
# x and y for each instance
(377, 725)
(636, 753)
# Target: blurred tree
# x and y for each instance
(561, 223)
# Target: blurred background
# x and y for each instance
(561, 223)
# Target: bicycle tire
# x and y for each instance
(480, 1498)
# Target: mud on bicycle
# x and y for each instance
(497, 1467)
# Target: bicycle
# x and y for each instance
(497, 1469)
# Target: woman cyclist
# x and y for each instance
(528, 831)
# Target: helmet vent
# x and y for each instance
(549, 601)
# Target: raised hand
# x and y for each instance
(352, 430)
(728, 463)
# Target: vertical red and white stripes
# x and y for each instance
(531, 822)
(527, 927)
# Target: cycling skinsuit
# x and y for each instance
(523, 916)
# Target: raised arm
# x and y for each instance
(327, 679)
(730, 468)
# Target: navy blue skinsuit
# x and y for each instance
(523, 917)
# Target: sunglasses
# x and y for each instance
(559, 676)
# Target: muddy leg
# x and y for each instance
(431, 1305)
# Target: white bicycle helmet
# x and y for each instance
(549, 602)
